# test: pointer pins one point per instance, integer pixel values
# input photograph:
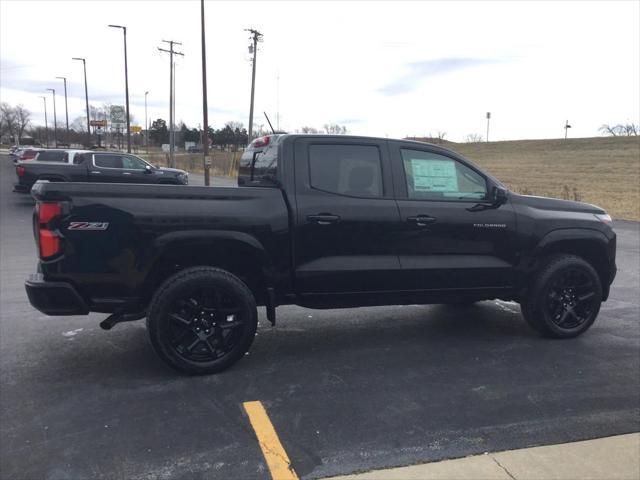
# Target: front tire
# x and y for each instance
(564, 298)
(202, 320)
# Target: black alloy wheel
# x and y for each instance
(564, 297)
(571, 298)
(202, 320)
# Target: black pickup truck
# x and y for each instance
(86, 166)
(319, 221)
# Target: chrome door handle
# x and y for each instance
(93, 171)
(421, 220)
(323, 218)
(126, 173)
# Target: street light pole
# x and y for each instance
(66, 108)
(488, 118)
(86, 97)
(46, 125)
(146, 123)
(256, 37)
(55, 118)
(126, 84)
(205, 113)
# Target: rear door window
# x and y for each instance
(107, 160)
(352, 170)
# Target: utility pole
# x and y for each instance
(126, 84)
(146, 122)
(55, 118)
(256, 37)
(46, 125)
(171, 52)
(488, 118)
(66, 108)
(205, 113)
(86, 97)
(278, 100)
(566, 128)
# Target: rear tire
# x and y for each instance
(564, 298)
(202, 320)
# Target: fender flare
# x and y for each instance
(568, 234)
(170, 240)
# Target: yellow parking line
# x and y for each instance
(275, 455)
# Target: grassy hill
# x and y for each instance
(604, 171)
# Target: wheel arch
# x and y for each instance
(236, 252)
(589, 244)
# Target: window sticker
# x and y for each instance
(434, 175)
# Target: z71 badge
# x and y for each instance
(88, 226)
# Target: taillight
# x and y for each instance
(261, 141)
(48, 241)
(20, 171)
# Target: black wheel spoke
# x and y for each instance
(179, 318)
(231, 325)
(583, 298)
(205, 324)
(570, 297)
(193, 344)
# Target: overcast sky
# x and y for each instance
(380, 68)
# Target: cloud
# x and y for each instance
(416, 72)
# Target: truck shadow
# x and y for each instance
(311, 338)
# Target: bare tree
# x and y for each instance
(7, 119)
(441, 135)
(22, 119)
(627, 129)
(474, 138)
(308, 130)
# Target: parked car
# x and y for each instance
(86, 166)
(25, 153)
(319, 221)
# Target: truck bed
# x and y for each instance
(142, 223)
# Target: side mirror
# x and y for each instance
(148, 169)
(499, 195)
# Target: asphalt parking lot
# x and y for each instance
(346, 390)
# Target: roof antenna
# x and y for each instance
(265, 114)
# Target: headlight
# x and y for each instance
(604, 218)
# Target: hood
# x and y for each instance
(545, 203)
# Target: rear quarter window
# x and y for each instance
(48, 156)
(259, 167)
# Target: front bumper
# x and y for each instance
(54, 298)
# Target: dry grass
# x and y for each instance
(222, 163)
(604, 171)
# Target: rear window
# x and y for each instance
(49, 156)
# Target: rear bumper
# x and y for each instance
(54, 298)
(18, 187)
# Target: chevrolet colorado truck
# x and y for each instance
(319, 221)
(86, 166)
